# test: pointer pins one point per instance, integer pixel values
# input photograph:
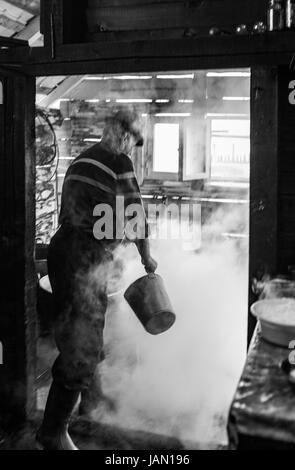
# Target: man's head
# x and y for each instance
(123, 131)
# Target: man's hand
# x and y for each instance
(150, 264)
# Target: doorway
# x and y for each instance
(180, 384)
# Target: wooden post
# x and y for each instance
(62, 22)
(17, 235)
(263, 177)
(286, 186)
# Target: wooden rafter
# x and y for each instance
(31, 6)
(65, 87)
(12, 25)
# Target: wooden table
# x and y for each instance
(262, 415)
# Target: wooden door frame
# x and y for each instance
(263, 182)
(17, 234)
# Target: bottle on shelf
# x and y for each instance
(276, 15)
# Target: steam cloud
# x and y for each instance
(181, 383)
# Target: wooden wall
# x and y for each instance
(286, 167)
(17, 235)
(272, 221)
(170, 18)
(100, 20)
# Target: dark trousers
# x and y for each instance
(78, 267)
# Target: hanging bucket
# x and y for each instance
(150, 302)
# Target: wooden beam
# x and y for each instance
(153, 65)
(13, 43)
(8, 23)
(156, 55)
(147, 15)
(31, 6)
(62, 21)
(17, 212)
(66, 87)
(32, 28)
(189, 47)
(263, 177)
(286, 186)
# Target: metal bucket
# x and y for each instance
(150, 302)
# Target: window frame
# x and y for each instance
(209, 153)
(150, 174)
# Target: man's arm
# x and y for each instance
(147, 260)
(129, 188)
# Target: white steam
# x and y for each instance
(181, 383)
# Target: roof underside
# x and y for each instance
(17, 15)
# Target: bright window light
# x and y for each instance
(228, 74)
(134, 101)
(173, 114)
(236, 98)
(174, 77)
(166, 148)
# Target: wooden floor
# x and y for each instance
(95, 436)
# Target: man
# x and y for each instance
(78, 265)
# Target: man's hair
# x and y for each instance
(128, 120)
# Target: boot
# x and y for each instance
(93, 398)
(53, 434)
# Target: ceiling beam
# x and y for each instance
(31, 30)
(12, 25)
(30, 6)
(61, 90)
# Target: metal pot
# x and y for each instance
(150, 302)
(274, 288)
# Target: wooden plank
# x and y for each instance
(66, 87)
(62, 21)
(263, 177)
(286, 197)
(31, 6)
(189, 47)
(120, 3)
(143, 35)
(155, 65)
(17, 211)
(13, 42)
(30, 30)
(46, 13)
(175, 14)
(269, 48)
(8, 23)
(30, 313)
(257, 423)
(74, 21)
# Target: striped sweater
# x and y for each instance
(96, 177)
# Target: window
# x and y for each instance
(166, 148)
(229, 149)
(195, 164)
(198, 128)
(163, 152)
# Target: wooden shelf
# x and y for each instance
(227, 51)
